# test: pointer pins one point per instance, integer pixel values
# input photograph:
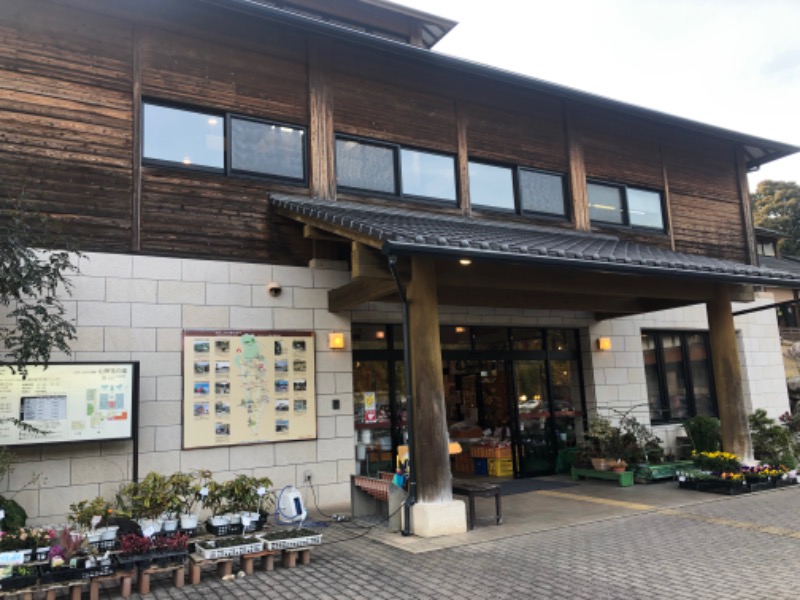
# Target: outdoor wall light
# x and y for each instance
(604, 343)
(336, 341)
(465, 262)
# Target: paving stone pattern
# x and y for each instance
(733, 547)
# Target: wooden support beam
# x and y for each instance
(330, 228)
(577, 174)
(321, 137)
(313, 233)
(747, 212)
(728, 376)
(358, 292)
(667, 199)
(432, 458)
(136, 136)
(462, 128)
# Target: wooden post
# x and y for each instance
(577, 175)
(431, 456)
(462, 127)
(747, 211)
(136, 159)
(321, 138)
(728, 376)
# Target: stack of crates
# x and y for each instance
(501, 467)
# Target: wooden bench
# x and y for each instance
(196, 562)
(267, 560)
(370, 496)
(290, 556)
(124, 578)
(624, 478)
(475, 489)
(178, 576)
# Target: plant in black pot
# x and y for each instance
(135, 550)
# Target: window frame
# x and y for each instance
(517, 191)
(227, 170)
(398, 171)
(626, 218)
(686, 363)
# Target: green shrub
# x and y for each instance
(771, 442)
(704, 433)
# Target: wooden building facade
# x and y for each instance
(322, 107)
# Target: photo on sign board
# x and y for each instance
(222, 429)
(282, 366)
(281, 385)
(222, 408)
(300, 406)
(201, 409)
(222, 367)
(202, 346)
(201, 367)
(282, 426)
(281, 405)
(299, 366)
(278, 347)
(299, 346)
(202, 388)
(222, 387)
(300, 385)
(222, 346)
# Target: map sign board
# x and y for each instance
(247, 387)
(69, 402)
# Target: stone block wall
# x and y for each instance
(135, 308)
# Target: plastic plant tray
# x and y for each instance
(228, 551)
(290, 543)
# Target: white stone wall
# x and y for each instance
(135, 308)
(618, 376)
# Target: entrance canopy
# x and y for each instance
(517, 264)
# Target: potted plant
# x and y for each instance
(170, 549)
(216, 501)
(92, 516)
(603, 444)
(65, 564)
(185, 495)
(135, 550)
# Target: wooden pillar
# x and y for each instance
(577, 174)
(728, 376)
(462, 126)
(136, 136)
(747, 211)
(431, 456)
(322, 145)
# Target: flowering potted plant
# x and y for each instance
(15, 577)
(135, 550)
(65, 564)
(170, 549)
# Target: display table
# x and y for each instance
(473, 489)
(625, 478)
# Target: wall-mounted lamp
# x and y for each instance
(465, 262)
(336, 341)
(604, 343)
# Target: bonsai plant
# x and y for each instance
(603, 444)
(88, 515)
(242, 492)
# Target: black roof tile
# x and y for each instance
(409, 230)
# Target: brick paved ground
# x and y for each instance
(729, 547)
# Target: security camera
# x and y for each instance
(274, 288)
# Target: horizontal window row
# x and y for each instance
(369, 166)
(223, 142)
(234, 144)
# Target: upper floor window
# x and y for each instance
(621, 205)
(227, 143)
(766, 249)
(678, 372)
(516, 189)
(391, 169)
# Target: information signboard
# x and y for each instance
(69, 402)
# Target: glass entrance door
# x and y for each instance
(534, 444)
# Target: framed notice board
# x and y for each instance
(247, 387)
(70, 402)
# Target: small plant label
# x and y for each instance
(246, 521)
(203, 491)
(96, 520)
(148, 531)
(261, 491)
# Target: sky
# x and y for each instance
(730, 63)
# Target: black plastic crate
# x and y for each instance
(17, 582)
(229, 529)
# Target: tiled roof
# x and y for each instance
(790, 264)
(404, 231)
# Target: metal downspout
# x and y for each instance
(412, 481)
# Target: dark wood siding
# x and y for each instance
(65, 119)
(532, 137)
